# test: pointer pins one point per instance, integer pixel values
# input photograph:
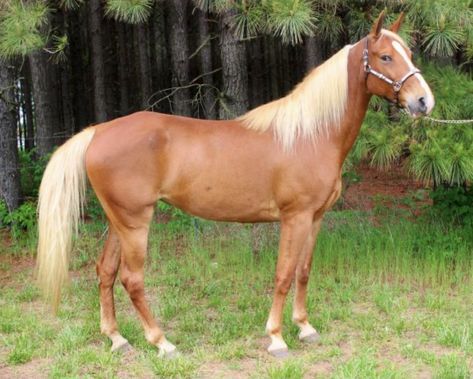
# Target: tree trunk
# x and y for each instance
(9, 166)
(28, 107)
(205, 67)
(313, 52)
(257, 72)
(79, 62)
(46, 115)
(272, 68)
(177, 17)
(67, 106)
(142, 34)
(161, 78)
(98, 68)
(234, 70)
(133, 70)
(110, 56)
(122, 69)
(65, 76)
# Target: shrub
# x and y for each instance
(31, 172)
(3, 214)
(22, 219)
(453, 204)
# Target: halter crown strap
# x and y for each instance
(396, 84)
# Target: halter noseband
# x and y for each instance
(396, 84)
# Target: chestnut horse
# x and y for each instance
(279, 162)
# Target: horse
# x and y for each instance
(281, 161)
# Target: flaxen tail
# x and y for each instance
(61, 197)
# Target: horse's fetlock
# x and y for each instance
(154, 337)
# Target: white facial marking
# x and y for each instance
(402, 52)
(428, 97)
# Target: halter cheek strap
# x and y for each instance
(396, 84)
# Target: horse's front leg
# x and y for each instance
(299, 313)
(294, 233)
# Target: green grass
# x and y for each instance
(392, 298)
(292, 369)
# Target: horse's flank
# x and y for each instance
(315, 106)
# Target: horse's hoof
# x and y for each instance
(167, 350)
(171, 355)
(122, 348)
(280, 353)
(310, 338)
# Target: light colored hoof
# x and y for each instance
(167, 350)
(278, 347)
(171, 355)
(280, 353)
(122, 347)
(308, 334)
(310, 338)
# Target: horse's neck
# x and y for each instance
(357, 104)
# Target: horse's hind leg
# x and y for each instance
(107, 268)
(134, 242)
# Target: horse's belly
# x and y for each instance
(225, 204)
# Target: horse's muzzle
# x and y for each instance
(418, 107)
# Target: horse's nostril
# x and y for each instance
(422, 105)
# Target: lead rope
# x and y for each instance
(438, 121)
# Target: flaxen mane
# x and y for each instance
(315, 106)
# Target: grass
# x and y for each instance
(391, 298)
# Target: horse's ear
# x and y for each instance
(397, 24)
(378, 25)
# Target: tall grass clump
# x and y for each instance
(425, 252)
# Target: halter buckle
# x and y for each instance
(397, 85)
(366, 66)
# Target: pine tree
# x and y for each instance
(98, 64)
(234, 69)
(179, 49)
(9, 166)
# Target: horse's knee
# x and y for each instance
(283, 284)
(106, 273)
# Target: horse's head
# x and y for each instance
(390, 72)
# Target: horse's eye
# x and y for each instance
(386, 58)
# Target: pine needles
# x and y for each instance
(130, 11)
(19, 28)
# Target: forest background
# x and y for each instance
(67, 64)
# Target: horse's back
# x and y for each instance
(197, 165)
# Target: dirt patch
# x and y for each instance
(320, 370)
(35, 369)
(242, 369)
(424, 374)
(10, 266)
(6, 241)
(389, 188)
